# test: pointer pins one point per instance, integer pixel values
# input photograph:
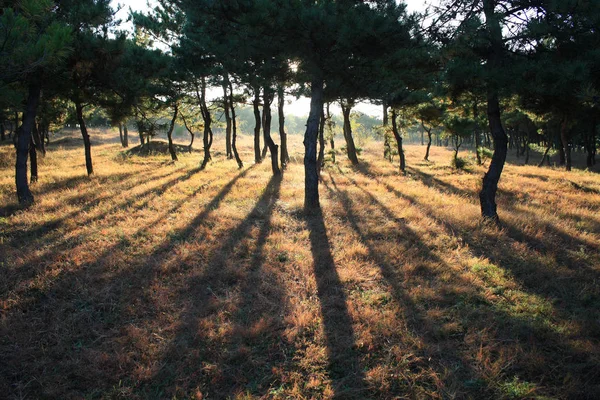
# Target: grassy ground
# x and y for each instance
(156, 280)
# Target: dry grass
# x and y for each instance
(156, 280)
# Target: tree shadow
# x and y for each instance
(101, 322)
(231, 289)
(535, 338)
(344, 368)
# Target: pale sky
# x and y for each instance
(297, 107)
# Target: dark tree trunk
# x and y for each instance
(428, 141)
(170, 133)
(487, 196)
(86, 138)
(273, 148)
(226, 108)
(234, 128)
(477, 134)
(398, 138)
(350, 147)
(526, 139)
(190, 131)
(565, 143)
(257, 125)
(23, 139)
(285, 157)
(125, 136)
(321, 156)
(311, 174)
(387, 146)
(2, 133)
(207, 118)
(37, 139)
(33, 162)
(330, 128)
(545, 154)
(141, 135)
(591, 145)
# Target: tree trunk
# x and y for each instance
(428, 140)
(311, 175)
(487, 196)
(86, 138)
(234, 127)
(2, 132)
(565, 143)
(350, 147)
(273, 148)
(121, 134)
(23, 138)
(207, 118)
(591, 145)
(257, 125)
(398, 141)
(33, 162)
(477, 135)
(321, 156)
(285, 157)
(330, 128)
(170, 133)
(229, 153)
(190, 131)
(387, 146)
(125, 136)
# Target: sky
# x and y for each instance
(298, 107)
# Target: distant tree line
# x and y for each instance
(493, 73)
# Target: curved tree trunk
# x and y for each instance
(257, 125)
(86, 138)
(273, 148)
(207, 118)
(226, 108)
(311, 174)
(170, 133)
(428, 140)
(350, 147)
(387, 146)
(234, 127)
(192, 134)
(487, 196)
(398, 138)
(285, 157)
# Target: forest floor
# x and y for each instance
(154, 280)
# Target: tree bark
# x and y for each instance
(86, 138)
(477, 136)
(207, 118)
(33, 162)
(257, 125)
(190, 131)
(387, 146)
(311, 175)
(487, 196)
(398, 138)
(565, 143)
(321, 156)
(350, 147)
(285, 157)
(23, 141)
(273, 148)
(234, 128)
(170, 133)
(226, 108)
(125, 136)
(428, 140)
(330, 128)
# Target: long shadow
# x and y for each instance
(60, 243)
(97, 319)
(344, 368)
(236, 358)
(509, 325)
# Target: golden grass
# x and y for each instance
(153, 279)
